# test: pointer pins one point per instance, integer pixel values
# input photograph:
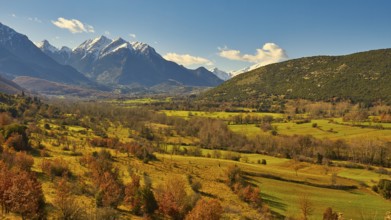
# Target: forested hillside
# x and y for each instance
(361, 77)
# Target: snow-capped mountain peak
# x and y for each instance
(247, 69)
(116, 45)
(46, 46)
(94, 46)
(221, 74)
(142, 47)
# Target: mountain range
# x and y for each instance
(360, 77)
(20, 57)
(118, 62)
(117, 66)
(100, 64)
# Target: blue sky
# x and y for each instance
(221, 33)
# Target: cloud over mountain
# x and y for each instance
(187, 59)
(73, 25)
(269, 53)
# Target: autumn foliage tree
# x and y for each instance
(172, 197)
(133, 194)
(246, 192)
(110, 191)
(108, 186)
(5, 184)
(5, 119)
(24, 195)
(206, 209)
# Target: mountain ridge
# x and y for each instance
(20, 57)
(113, 62)
(359, 77)
(9, 87)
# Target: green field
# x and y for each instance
(324, 129)
(220, 115)
(282, 196)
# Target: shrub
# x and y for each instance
(375, 188)
(384, 187)
(17, 142)
(47, 127)
(57, 167)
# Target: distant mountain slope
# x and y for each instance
(118, 62)
(360, 77)
(46, 87)
(20, 57)
(9, 87)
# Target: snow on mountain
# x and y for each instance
(141, 47)
(221, 74)
(115, 46)
(93, 46)
(94, 49)
(112, 62)
(247, 69)
(46, 46)
(144, 49)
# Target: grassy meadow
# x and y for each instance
(280, 194)
(282, 182)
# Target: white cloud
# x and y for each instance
(13, 15)
(269, 53)
(187, 60)
(73, 25)
(132, 35)
(107, 33)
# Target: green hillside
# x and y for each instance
(360, 77)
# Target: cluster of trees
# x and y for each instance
(246, 192)
(250, 119)
(108, 185)
(20, 191)
(169, 199)
(13, 134)
(215, 134)
(305, 147)
(176, 203)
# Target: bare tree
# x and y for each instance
(306, 206)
